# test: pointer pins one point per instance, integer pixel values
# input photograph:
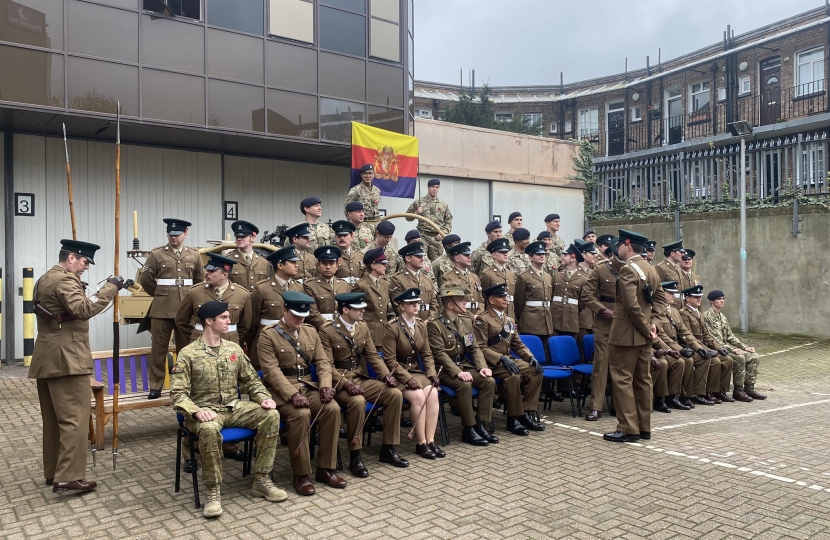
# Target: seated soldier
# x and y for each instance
(209, 403)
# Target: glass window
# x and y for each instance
(99, 86)
(33, 22)
(292, 114)
(553, 128)
(423, 113)
(386, 41)
(237, 106)
(411, 53)
(292, 67)
(292, 19)
(813, 166)
(336, 118)
(568, 126)
(234, 56)
(172, 96)
(810, 72)
(242, 15)
(385, 85)
(28, 76)
(700, 96)
(744, 85)
(588, 123)
(351, 5)
(172, 44)
(178, 8)
(411, 17)
(388, 119)
(101, 31)
(342, 32)
(504, 117)
(387, 9)
(342, 76)
(636, 113)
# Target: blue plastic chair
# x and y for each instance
(588, 347)
(564, 355)
(534, 345)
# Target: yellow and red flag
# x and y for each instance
(394, 157)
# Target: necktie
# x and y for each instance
(351, 330)
(248, 259)
(218, 293)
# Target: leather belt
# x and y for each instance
(267, 322)
(609, 299)
(174, 282)
(328, 316)
(538, 303)
(565, 300)
(345, 364)
(290, 372)
(199, 327)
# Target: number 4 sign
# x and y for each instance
(231, 210)
(24, 204)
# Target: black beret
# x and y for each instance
(342, 227)
(367, 167)
(385, 228)
(433, 182)
(411, 235)
(175, 226)
(353, 206)
(309, 201)
(449, 239)
(243, 228)
(589, 231)
(521, 234)
(493, 225)
(544, 234)
(81, 248)
(327, 253)
(551, 217)
(714, 295)
(513, 215)
(212, 309)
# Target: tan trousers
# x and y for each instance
(64, 408)
(296, 424)
(678, 370)
(161, 330)
(391, 400)
(720, 374)
(631, 380)
(464, 395)
(694, 381)
(599, 376)
(659, 377)
(516, 404)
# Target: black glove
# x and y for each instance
(536, 365)
(510, 365)
(118, 281)
(435, 380)
(299, 401)
(659, 353)
(655, 363)
(673, 354)
(390, 381)
(352, 389)
(704, 353)
(686, 352)
(412, 384)
(723, 350)
(326, 394)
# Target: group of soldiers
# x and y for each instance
(339, 318)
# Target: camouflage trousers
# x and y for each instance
(433, 246)
(245, 414)
(744, 370)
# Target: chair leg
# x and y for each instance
(194, 474)
(571, 386)
(178, 458)
(442, 421)
(339, 458)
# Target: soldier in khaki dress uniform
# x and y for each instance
(517, 259)
(551, 259)
(364, 232)
(250, 267)
(586, 316)
(651, 249)
(515, 221)
(438, 211)
(409, 358)
(481, 256)
(567, 291)
(603, 243)
(497, 336)
(350, 261)
(685, 370)
(499, 273)
(62, 362)
(553, 223)
(323, 288)
(533, 293)
(166, 275)
(462, 278)
(368, 195)
(300, 237)
(688, 278)
(454, 346)
(412, 277)
(349, 345)
(378, 308)
(383, 239)
(415, 236)
(669, 268)
(321, 234)
(443, 264)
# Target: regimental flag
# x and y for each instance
(394, 156)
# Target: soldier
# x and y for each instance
(368, 195)
(349, 346)
(590, 236)
(744, 356)
(481, 257)
(323, 288)
(321, 234)
(415, 236)
(348, 266)
(603, 242)
(533, 292)
(364, 232)
(497, 337)
(266, 300)
(411, 277)
(461, 277)
(438, 212)
(517, 259)
(383, 239)
(62, 362)
(551, 259)
(659, 369)
(499, 273)
(599, 294)
(553, 223)
(514, 221)
(669, 268)
(443, 264)
(587, 266)
(300, 237)
(216, 287)
(250, 268)
(204, 385)
(454, 346)
(408, 357)
(166, 274)
(567, 291)
(376, 289)
(287, 350)
(651, 249)
(687, 277)
(630, 338)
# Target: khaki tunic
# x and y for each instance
(163, 264)
(324, 307)
(267, 308)
(378, 307)
(401, 358)
(669, 271)
(342, 356)
(688, 279)
(586, 316)
(533, 286)
(239, 307)
(349, 267)
(494, 276)
(407, 279)
(248, 274)
(306, 266)
(565, 304)
(600, 291)
(471, 286)
(633, 314)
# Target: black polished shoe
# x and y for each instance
(612, 411)
(356, 466)
(49, 481)
(190, 465)
(619, 436)
(236, 455)
(484, 434)
(674, 403)
(406, 422)
(389, 455)
(645, 435)
(712, 398)
(343, 433)
(527, 421)
(687, 402)
(154, 394)
(701, 400)
(436, 450)
(470, 436)
(424, 451)
(753, 394)
(556, 396)
(660, 405)
(593, 416)
(514, 425)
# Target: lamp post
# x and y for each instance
(741, 129)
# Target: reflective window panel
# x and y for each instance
(352, 5)
(342, 32)
(291, 67)
(192, 9)
(99, 86)
(336, 118)
(33, 22)
(128, 4)
(172, 44)
(242, 15)
(292, 19)
(387, 9)
(234, 56)
(292, 114)
(342, 76)
(28, 76)
(237, 106)
(386, 41)
(388, 119)
(173, 96)
(102, 31)
(385, 84)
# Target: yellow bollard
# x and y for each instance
(28, 315)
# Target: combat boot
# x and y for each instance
(213, 507)
(739, 395)
(264, 487)
(750, 391)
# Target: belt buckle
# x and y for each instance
(408, 363)
(300, 371)
(179, 282)
(354, 364)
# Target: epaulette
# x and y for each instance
(393, 320)
(308, 325)
(158, 248)
(261, 281)
(197, 285)
(327, 323)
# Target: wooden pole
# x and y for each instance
(69, 186)
(116, 332)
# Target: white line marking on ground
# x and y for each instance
(743, 415)
(788, 349)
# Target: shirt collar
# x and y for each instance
(347, 325)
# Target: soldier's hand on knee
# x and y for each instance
(299, 401)
(655, 363)
(352, 389)
(686, 352)
(536, 365)
(326, 394)
(390, 381)
(659, 353)
(412, 384)
(673, 354)
(723, 350)
(737, 351)
(205, 416)
(510, 365)
(712, 353)
(268, 404)
(485, 372)
(434, 380)
(750, 350)
(464, 376)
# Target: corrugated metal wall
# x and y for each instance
(536, 202)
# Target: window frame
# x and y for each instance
(553, 128)
(705, 88)
(270, 34)
(748, 80)
(592, 132)
(499, 116)
(636, 114)
(802, 87)
(419, 111)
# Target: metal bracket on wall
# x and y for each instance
(796, 219)
(678, 227)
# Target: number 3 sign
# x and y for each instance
(24, 204)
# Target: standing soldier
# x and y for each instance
(438, 212)
(376, 289)
(551, 259)
(515, 221)
(586, 316)
(461, 277)
(411, 277)
(62, 362)
(567, 291)
(321, 234)
(481, 256)
(348, 266)
(669, 268)
(517, 259)
(250, 268)
(364, 232)
(651, 249)
(443, 264)
(169, 270)
(603, 243)
(323, 288)
(687, 276)
(553, 223)
(533, 293)
(383, 239)
(300, 237)
(368, 195)
(590, 236)
(454, 346)
(499, 273)
(415, 236)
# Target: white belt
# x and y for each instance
(573, 301)
(677, 295)
(300, 281)
(509, 297)
(174, 282)
(424, 307)
(351, 280)
(328, 316)
(200, 328)
(538, 303)
(267, 322)
(472, 305)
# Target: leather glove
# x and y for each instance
(606, 314)
(435, 380)
(655, 363)
(723, 350)
(412, 384)
(673, 354)
(686, 352)
(509, 365)
(352, 389)
(659, 353)
(390, 381)
(299, 401)
(118, 281)
(712, 354)
(704, 353)
(536, 365)
(326, 394)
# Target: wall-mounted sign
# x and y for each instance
(231, 210)
(24, 204)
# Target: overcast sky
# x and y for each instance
(526, 42)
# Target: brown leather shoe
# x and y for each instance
(303, 485)
(723, 397)
(76, 485)
(49, 481)
(753, 394)
(740, 395)
(593, 416)
(712, 398)
(329, 476)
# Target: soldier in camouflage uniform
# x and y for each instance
(460, 277)
(517, 260)
(436, 210)
(383, 239)
(364, 232)
(515, 221)
(481, 257)
(369, 195)
(321, 233)
(443, 264)
(204, 387)
(551, 263)
(745, 367)
(557, 243)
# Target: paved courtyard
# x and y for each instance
(757, 470)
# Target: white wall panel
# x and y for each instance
(536, 202)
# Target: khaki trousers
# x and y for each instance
(659, 377)
(515, 403)
(464, 395)
(599, 376)
(161, 330)
(631, 380)
(720, 374)
(391, 400)
(296, 424)
(679, 368)
(64, 408)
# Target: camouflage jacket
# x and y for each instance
(482, 260)
(558, 245)
(362, 237)
(321, 235)
(517, 261)
(551, 262)
(718, 327)
(441, 266)
(369, 196)
(435, 210)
